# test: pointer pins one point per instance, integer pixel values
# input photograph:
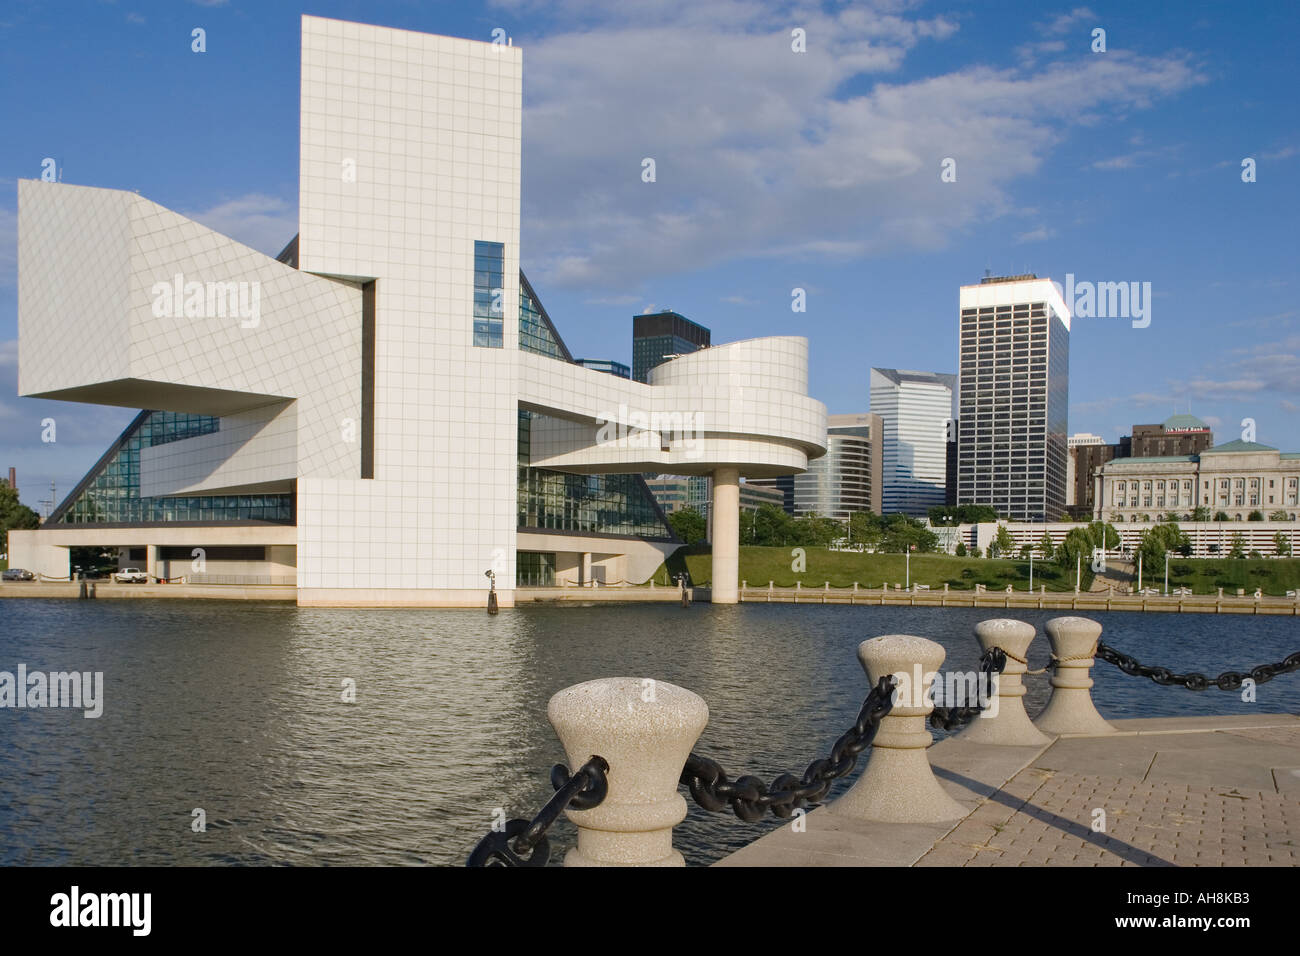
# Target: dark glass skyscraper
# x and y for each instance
(659, 335)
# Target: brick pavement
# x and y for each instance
(1045, 816)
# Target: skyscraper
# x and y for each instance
(915, 409)
(846, 479)
(660, 334)
(1015, 385)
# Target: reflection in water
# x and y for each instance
(237, 709)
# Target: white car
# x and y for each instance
(131, 576)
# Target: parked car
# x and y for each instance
(17, 574)
(131, 576)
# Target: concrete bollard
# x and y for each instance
(1070, 709)
(898, 785)
(1008, 725)
(645, 730)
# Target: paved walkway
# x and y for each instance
(1186, 791)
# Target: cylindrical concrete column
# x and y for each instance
(897, 785)
(726, 535)
(1004, 720)
(1070, 709)
(645, 730)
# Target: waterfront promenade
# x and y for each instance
(1173, 791)
(892, 597)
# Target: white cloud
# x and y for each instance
(1036, 235)
(758, 151)
(1066, 22)
(265, 223)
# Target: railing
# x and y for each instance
(242, 580)
(632, 738)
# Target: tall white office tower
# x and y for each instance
(915, 409)
(1015, 387)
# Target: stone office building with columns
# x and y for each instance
(1235, 478)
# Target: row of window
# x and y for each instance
(112, 495)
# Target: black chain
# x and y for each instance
(751, 799)
(1228, 680)
(951, 718)
(524, 843)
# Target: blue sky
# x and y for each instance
(775, 170)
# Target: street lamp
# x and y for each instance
(1167, 553)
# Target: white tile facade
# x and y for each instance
(410, 153)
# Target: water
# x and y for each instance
(235, 709)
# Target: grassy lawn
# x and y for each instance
(841, 569)
(1204, 575)
(4, 565)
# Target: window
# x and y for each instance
(489, 294)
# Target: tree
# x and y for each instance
(899, 533)
(812, 530)
(1003, 540)
(14, 516)
(1200, 513)
(1045, 546)
(1116, 517)
(974, 552)
(865, 528)
(1255, 515)
(1221, 516)
(960, 550)
(1281, 544)
(1238, 549)
(1170, 517)
(771, 526)
(1278, 515)
(689, 525)
(1103, 535)
(953, 515)
(1077, 544)
(1160, 538)
(1026, 551)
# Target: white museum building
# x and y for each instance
(385, 411)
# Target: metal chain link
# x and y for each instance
(952, 718)
(1228, 680)
(524, 842)
(751, 799)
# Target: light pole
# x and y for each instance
(1139, 570)
(907, 562)
(1031, 570)
(1166, 574)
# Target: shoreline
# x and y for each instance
(1090, 601)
